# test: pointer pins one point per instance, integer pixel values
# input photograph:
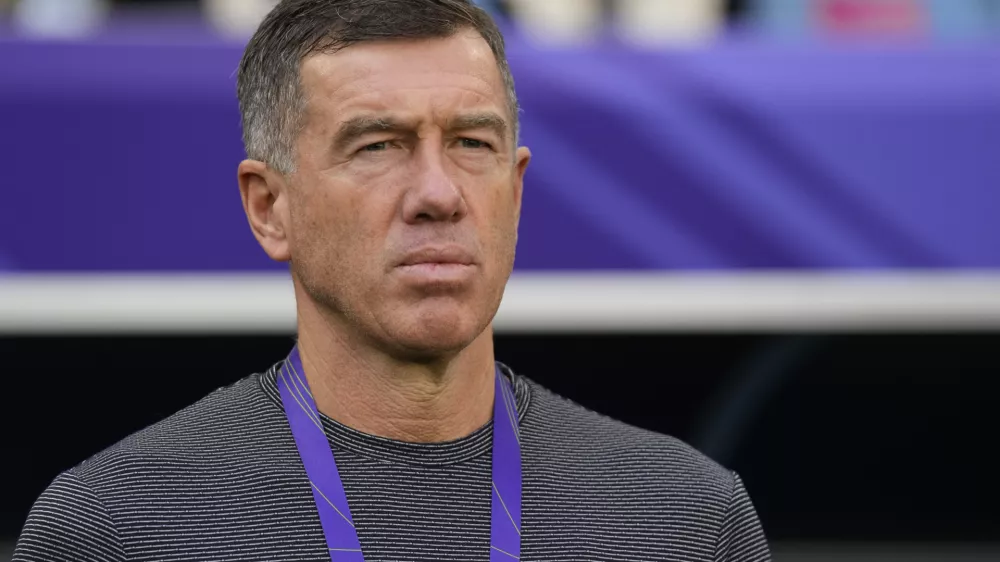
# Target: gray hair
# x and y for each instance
(269, 83)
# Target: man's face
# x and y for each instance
(404, 207)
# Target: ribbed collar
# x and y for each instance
(460, 450)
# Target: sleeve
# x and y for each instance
(741, 537)
(68, 522)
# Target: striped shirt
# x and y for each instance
(222, 480)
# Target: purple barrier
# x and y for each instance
(120, 155)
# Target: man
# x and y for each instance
(384, 167)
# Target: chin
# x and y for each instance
(433, 329)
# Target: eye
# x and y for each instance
(376, 147)
(473, 143)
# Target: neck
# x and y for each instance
(378, 394)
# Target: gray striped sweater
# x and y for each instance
(222, 480)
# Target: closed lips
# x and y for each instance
(453, 256)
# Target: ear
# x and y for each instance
(521, 159)
(265, 201)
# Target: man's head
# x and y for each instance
(382, 137)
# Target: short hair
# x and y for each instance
(269, 84)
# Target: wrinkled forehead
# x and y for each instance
(411, 75)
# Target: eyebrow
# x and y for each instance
(357, 127)
(480, 120)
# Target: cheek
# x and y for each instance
(346, 224)
(505, 204)
(318, 220)
(503, 222)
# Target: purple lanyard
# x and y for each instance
(328, 490)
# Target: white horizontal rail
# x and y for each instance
(550, 302)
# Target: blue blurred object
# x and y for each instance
(60, 18)
(994, 15)
(491, 6)
(780, 17)
(6, 264)
(962, 18)
(940, 19)
(738, 156)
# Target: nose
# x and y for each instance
(433, 195)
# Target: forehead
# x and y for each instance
(405, 75)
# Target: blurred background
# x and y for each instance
(768, 227)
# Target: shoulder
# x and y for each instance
(572, 429)
(225, 426)
(619, 458)
(619, 480)
(69, 522)
(143, 483)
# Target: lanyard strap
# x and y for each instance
(328, 490)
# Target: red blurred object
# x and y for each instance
(872, 17)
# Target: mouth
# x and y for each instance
(448, 255)
(437, 265)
